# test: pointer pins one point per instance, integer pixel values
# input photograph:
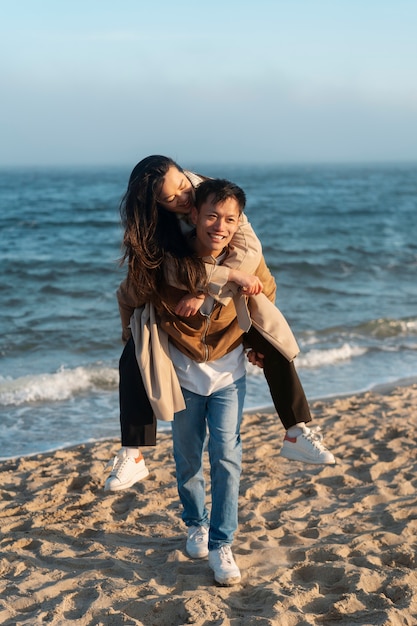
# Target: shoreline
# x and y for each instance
(381, 388)
(315, 544)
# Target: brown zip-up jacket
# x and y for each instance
(201, 337)
(208, 337)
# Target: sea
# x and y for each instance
(341, 241)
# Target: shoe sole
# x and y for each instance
(293, 456)
(200, 555)
(134, 480)
(229, 582)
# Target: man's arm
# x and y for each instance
(248, 284)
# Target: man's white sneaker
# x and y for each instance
(307, 447)
(197, 542)
(125, 472)
(221, 561)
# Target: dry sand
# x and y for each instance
(316, 545)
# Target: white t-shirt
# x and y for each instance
(210, 376)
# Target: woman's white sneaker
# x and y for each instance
(197, 542)
(126, 471)
(307, 447)
(221, 561)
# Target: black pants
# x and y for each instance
(137, 422)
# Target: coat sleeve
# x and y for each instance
(268, 320)
(128, 302)
(242, 302)
(268, 281)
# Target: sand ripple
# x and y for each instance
(316, 545)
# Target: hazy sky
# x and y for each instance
(106, 82)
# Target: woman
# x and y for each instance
(154, 212)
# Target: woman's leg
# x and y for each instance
(224, 417)
(137, 421)
(137, 424)
(300, 444)
(189, 432)
(284, 384)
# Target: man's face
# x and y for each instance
(215, 223)
(176, 193)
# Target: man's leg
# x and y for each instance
(224, 417)
(189, 434)
(225, 450)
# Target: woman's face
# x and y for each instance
(176, 193)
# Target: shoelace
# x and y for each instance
(112, 462)
(315, 432)
(117, 464)
(225, 554)
(197, 535)
(315, 437)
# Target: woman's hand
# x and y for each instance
(189, 305)
(249, 284)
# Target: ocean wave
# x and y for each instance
(383, 328)
(317, 358)
(375, 329)
(67, 383)
(58, 386)
(331, 356)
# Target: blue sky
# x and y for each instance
(105, 82)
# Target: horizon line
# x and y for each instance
(219, 163)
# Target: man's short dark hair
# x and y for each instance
(222, 190)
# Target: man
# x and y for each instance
(208, 356)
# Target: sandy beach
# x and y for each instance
(316, 544)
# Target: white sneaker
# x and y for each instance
(197, 542)
(221, 561)
(307, 447)
(126, 471)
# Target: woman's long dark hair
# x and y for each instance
(152, 235)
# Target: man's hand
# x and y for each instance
(189, 305)
(256, 358)
(249, 285)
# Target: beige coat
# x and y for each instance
(151, 336)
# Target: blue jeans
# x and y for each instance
(221, 414)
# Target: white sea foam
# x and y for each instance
(61, 385)
(369, 332)
(318, 358)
